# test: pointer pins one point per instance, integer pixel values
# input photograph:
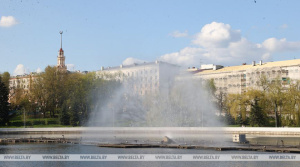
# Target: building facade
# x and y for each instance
(237, 79)
(144, 78)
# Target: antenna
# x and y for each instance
(61, 32)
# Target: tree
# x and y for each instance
(75, 114)
(5, 79)
(257, 101)
(292, 108)
(4, 106)
(257, 116)
(236, 106)
(276, 97)
(64, 114)
(49, 90)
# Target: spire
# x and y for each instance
(61, 58)
(61, 32)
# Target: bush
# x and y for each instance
(42, 122)
(53, 122)
(20, 123)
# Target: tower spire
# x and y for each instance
(61, 58)
(61, 32)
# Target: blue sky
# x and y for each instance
(107, 32)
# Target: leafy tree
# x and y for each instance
(276, 97)
(4, 106)
(257, 101)
(5, 79)
(64, 114)
(75, 114)
(257, 116)
(293, 104)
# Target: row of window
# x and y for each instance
(243, 76)
(138, 73)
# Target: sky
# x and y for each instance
(113, 32)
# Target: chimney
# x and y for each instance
(253, 63)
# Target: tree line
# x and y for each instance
(64, 96)
(272, 103)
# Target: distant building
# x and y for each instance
(144, 78)
(236, 79)
(21, 82)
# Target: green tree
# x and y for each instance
(236, 106)
(257, 116)
(5, 79)
(49, 90)
(257, 101)
(276, 97)
(75, 114)
(4, 106)
(64, 114)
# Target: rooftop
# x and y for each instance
(136, 65)
(293, 62)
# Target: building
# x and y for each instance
(61, 57)
(24, 82)
(236, 79)
(144, 78)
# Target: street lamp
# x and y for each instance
(24, 118)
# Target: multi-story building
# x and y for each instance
(236, 79)
(21, 82)
(144, 78)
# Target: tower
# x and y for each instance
(61, 58)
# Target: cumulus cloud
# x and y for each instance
(280, 45)
(131, 61)
(216, 35)
(218, 43)
(7, 21)
(178, 34)
(20, 70)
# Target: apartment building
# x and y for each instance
(236, 79)
(144, 78)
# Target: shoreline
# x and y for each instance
(156, 130)
(204, 146)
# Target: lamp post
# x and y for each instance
(24, 118)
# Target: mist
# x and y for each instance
(184, 103)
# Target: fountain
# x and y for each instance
(183, 114)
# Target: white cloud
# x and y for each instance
(178, 34)
(282, 45)
(71, 67)
(20, 70)
(7, 21)
(131, 61)
(216, 35)
(218, 43)
(38, 70)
